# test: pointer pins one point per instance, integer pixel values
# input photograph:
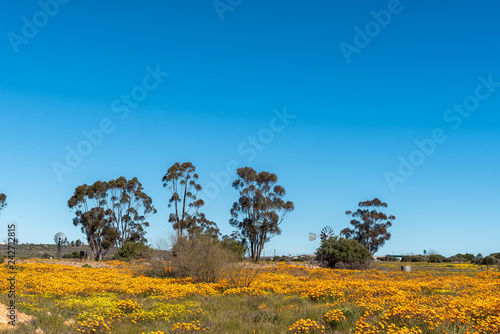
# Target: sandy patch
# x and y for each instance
(21, 318)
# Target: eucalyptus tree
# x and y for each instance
(181, 180)
(111, 213)
(131, 208)
(370, 225)
(3, 201)
(260, 209)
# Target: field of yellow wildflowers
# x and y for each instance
(282, 298)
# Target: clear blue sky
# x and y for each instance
(360, 101)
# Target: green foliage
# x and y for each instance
(133, 250)
(495, 255)
(74, 255)
(469, 257)
(78, 243)
(370, 225)
(337, 252)
(260, 209)
(436, 258)
(110, 213)
(489, 260)
(3, 201)
(181, 181)
(235, 246)
(86, 265)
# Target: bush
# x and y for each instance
(412, 258)
(236, 247)
(436, 258)
(201, 257)
(457, 258)
(336, 252)
(133, 250)
(469, 257)
(496, 255)
(489, 261)
(74, 255)
(158, 269)
(45, 255)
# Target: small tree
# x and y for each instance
(260, 209)
(337, 252)
(370, 225)
(3, 201)
(78, 243)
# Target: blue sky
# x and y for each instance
(67, 67)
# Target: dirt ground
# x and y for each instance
(4, 320)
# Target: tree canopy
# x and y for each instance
(342, 253)
(260, 209)
(370, 225)
(3, 201)
(181, 181)
(111, 213)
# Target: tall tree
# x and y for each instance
(370, 225)
(111, 213)
(131, 207)
(260, 209)
(181, 181)
(3, 201)
(89, 204)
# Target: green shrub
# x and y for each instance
(489, 260)
(469, 257)
(495, 255)
(413, 258)
(336, 252)
(234, 246)
(133, 250)
(436, 258)
(74, 255)
(86, 265)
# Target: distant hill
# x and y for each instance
(38, 251)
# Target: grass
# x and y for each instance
(281, 296)
(221, 314)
